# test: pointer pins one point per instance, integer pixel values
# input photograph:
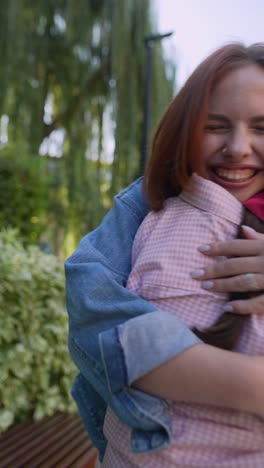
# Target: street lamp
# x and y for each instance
(148, 41)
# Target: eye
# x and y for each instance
(259, 128)
(216, 128)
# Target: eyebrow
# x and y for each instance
(221, 117)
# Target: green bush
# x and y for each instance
(24, 192)
(36, 371)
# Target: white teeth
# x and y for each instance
(237, 175)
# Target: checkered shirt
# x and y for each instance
(165, 251)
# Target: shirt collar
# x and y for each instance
(208, 196)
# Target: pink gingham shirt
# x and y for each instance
(165, 251)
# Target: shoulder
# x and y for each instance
(157, 221)
(133, 197)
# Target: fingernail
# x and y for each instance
(249, 229)
(207, 284)
(204, 248)
(197, 273)
(228, 308)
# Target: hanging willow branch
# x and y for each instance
(74, 104)
(79, 57)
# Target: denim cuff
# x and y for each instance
(113, 360)
(142, 344)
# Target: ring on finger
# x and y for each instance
(251, 281)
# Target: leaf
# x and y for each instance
(36, 369)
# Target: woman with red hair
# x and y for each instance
(206, 168)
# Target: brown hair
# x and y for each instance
(176, 144)
(175, 155)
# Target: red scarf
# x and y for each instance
(256, 205)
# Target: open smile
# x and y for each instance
(234, 175)
(234, 178)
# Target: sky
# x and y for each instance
(201, 26)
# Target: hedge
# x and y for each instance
(24, 192)
(36, 371)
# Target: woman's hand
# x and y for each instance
(244, 272)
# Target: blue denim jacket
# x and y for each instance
(115, 337)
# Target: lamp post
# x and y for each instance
(148, 41)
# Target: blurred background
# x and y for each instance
(71, 106)
(72, 88)
(72, 91)
(72, 98)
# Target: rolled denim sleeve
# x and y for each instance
(134, 348)
(115, 336)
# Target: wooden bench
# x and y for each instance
(60, 441)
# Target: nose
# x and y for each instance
(238, 145)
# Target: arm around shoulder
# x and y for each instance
(209, 375)
(105, 317)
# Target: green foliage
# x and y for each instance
(75, 71)
(36, 370)
(24, 183)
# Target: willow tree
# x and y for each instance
(72, 85)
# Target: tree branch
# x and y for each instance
(76, 99)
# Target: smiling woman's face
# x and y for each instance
(235, 124)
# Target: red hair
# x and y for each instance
(175, 150)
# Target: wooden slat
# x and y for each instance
(23, 433)
(82, 462)
(60, 441)
(77, 450)
(37, 435)
(62, 447)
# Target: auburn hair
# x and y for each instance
(176, 144)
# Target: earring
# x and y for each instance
(224, 150)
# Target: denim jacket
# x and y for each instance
(115, 336)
